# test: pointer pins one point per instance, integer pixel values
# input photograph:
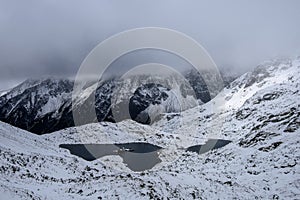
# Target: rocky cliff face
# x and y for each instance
(43, 106)
(37, 104)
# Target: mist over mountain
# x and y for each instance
(53, 38)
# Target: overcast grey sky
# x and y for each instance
(52, 37)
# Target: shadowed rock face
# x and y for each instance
(44, 106)
(38, 106)
(144, 96)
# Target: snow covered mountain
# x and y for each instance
(259, 113)
(36, 104)
(43, 106)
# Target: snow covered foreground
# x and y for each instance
(260, 113)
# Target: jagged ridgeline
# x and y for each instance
(43, 106)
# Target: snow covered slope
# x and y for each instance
(260, 113)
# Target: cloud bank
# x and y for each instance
(52, 37)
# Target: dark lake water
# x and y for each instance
(137, 156)
(209, 145)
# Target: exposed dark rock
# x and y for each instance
(44, 106)
(144, 96)
(253, 139)
(293, 125)
(267, 97)
(257, 75)
(271, 147)
(244, 113)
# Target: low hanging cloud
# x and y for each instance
(51, 37)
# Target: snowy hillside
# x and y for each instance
(259, 112)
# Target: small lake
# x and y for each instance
(209, 145)
(136, 156)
